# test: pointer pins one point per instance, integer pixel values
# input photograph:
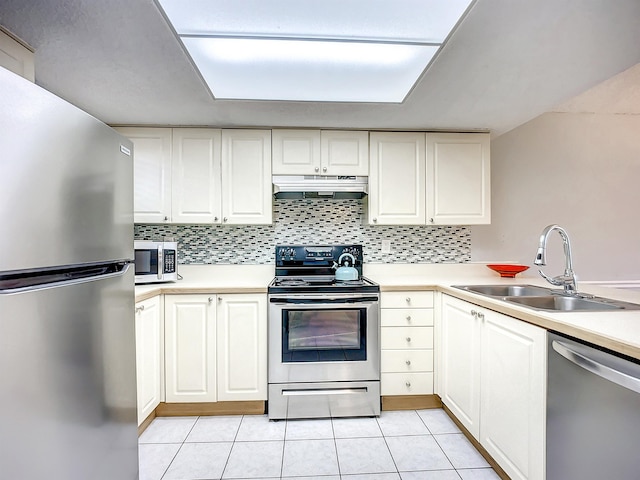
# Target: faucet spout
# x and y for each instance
(568, 279)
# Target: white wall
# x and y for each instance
(581, 171)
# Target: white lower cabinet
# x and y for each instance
(215, 347)
(493, 379)
(242, 347)
(190, 348)
(406, 343)
(149, 354)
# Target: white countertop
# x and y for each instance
(618, 330)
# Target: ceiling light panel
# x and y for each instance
(307, 50)
(428, 21)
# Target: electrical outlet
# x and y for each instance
(386, 246)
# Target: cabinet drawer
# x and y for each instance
(406, 317)
(406, 383)
(406, 361)
(398, 338)
(406, 300)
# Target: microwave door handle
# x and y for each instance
(160, 262)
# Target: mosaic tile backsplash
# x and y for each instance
(312, 222)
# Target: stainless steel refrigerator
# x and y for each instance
(67, 338)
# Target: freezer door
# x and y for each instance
(67, 371)
(66, 182)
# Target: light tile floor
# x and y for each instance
(402, 445)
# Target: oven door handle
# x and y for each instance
(320, 299)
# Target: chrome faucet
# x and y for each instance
(568, 279)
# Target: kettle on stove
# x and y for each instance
(346, 273)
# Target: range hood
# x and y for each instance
(319, 186)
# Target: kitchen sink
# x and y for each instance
(507, 290)
(565, 303)
(549, 299)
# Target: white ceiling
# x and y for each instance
(507, 62)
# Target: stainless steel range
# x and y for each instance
(324, 334)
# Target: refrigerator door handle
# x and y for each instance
(63, 279)
(604, 371)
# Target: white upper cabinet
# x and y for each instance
(16, 57)
(195, 179)
(315, 152)
(458, 179)
(397, 178)
(344, 153)
(201, 175)
(151, 173)
(246, 177)
(296, 152)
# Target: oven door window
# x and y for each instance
(324, 335)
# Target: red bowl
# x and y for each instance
(507, 271)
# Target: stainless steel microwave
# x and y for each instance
(156, 261)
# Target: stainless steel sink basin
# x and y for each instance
(562, 303)
(548, 299)
(507, 290)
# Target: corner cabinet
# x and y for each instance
(242, 347)
(149, 354)
(320, 152)
(458, 179)
(190, 348)
(429, 179)
(493, 379)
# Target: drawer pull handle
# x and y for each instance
(408, 362)
(408, 384)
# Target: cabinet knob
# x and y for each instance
(408, 339)
(215, 219)
(324, 169)
(408, 299)
(139, 309)
(317, 169)
(481, 315)
(474, 313)
(408, 318)
(375, 220)
(431, 220)
(166, 218)
(408, 362)
(408, 384)
(224, 219)
(210, 299)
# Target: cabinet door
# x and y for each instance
(513, 396)
(195, 181)
(247, 196)
(151, 173)
(242, 347)
(148, 355)
(344, 152)
(190, 348)
(296, 152)
(397, 178)
(458, 179)
(460, 382)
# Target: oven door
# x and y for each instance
(323, 337)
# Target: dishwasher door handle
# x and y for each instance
(608, 373)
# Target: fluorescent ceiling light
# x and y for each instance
(306, 50)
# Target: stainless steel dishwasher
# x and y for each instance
(593, 412)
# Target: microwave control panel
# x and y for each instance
(169, 261)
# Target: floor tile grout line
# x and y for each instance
(335, 445)
(179, 448)
(384, 437)
(233, 442)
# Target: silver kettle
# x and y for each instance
(346, 273)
